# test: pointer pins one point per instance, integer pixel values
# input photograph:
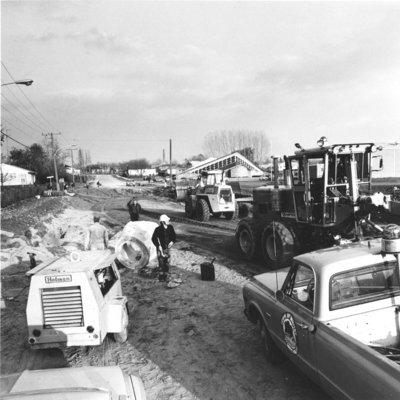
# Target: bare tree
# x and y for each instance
(219, 143)
(88, 158)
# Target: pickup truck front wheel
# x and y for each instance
(272, 352)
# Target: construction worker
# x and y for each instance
(163, 238)
(134, 209)
(97, 236)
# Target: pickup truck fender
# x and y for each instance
(253, 310)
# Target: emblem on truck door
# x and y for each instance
(289, 332)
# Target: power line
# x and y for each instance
(16, 116)
(30, 102)
(5, 134)
(21, 109)
(16, 127)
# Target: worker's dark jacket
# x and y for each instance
(134, 209)
(163, 237)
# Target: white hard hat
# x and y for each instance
(164, 218)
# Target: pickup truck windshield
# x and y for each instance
(364, 285)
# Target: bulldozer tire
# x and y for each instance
(189, 212)
(247, 240)
(202, 211)
(234, 214)
(277, 245)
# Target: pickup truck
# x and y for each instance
(335, 313)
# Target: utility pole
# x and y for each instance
(170, 160)
(72, 167)
(51, 134)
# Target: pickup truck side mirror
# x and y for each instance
(279, 295)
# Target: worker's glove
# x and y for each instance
(170, 244)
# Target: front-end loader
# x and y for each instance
(212, 196)
(325, 199)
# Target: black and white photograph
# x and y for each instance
(200, 200)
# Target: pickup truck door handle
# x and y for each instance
(302, 326)
(311, 328)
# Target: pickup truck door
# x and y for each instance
(292, 320)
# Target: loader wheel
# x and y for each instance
(122, 337)
(202, 211)
(189, 212)
(234, 214)
(247, 240)
(272, 352)
(277, 245)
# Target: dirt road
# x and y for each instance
(190, 342)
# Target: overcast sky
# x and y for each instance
(121, 78)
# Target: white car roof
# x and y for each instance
(67, 383)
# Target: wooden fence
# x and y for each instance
(12, 194)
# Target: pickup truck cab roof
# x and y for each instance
(327, 263)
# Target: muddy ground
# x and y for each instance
(189, 342)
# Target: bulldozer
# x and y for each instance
(325, 199)
(212, 196)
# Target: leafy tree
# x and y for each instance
(140, 163)
(34, 158)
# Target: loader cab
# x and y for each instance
(208, 181)
(326, 182)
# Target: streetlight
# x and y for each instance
(26, 82)
(70, 147)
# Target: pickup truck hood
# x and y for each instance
(272, 280)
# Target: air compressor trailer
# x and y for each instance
(76, 300)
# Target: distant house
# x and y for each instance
(142, 172)
(13, 175)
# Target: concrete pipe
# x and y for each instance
(134, 248)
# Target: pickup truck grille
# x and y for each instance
(62, 307)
